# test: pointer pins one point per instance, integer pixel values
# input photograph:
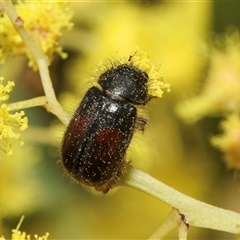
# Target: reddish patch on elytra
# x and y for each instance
(109, 135)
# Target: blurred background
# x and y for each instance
(175, 147)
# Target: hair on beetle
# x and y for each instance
(95, 143)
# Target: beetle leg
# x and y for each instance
(140, 123)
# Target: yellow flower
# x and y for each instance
(229, 141)
(156, 83)
(44, 20)
(10, 123)
(221, 92)
(140, 60)
(4, 90)
(18, 235)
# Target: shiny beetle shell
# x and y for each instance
(99, 133)
(127, 82)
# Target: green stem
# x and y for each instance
(172, 221)
(34, 102)
(197, 213)
(41, 59)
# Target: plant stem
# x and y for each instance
(172, 221)
(197, 213)
(41, 59)
(33, 102)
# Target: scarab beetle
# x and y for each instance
(95, 142)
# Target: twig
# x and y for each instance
(33, 102)
(41, 59)
(173, 221)
(182, 231)
(197, 213)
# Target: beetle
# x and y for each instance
(95, 142)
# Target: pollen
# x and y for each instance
(10, 123)
(44, 21)
(156, 83)
(229, 141)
